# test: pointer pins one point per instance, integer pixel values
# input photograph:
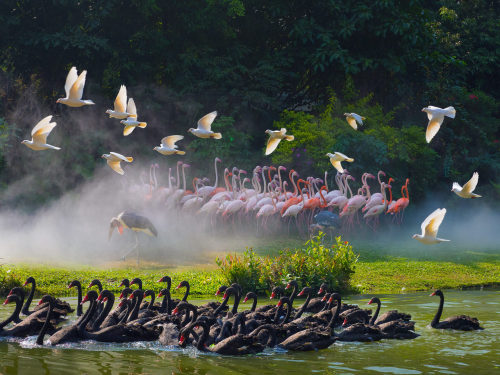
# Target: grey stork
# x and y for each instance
(134, 222)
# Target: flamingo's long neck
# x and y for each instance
(348, 187)
(216, 174)
(322, 197)
(295, 190)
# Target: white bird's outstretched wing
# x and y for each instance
(433, 128)
(336, 165)
(471, 184)
(206, 121)
(131, 109)
(431, 224)
(128, 129)
(456, 186)
(115, 165)
(170, 140)
(272, 143)
(359, 119)
(117, 156)
(41, 130)
(121, 100)
(352, 122)
(343, 157)
(76, 91)
(70, 79)
(41, 124)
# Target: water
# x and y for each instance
(434, 352)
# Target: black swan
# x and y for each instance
(312, 338)
(29, 326)
(70, 333)
(136, 281)
(387, 316)
(316, 304)
(185, 284)
(461, 322)
(125, 283)
(234, 345)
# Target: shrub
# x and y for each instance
(7, 281)
(310, 266)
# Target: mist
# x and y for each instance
(58, 204)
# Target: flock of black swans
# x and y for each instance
(213, 327)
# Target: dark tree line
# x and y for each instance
(254, 59)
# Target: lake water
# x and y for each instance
(434, 352)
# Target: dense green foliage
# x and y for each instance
(261, 64)
(311, 266)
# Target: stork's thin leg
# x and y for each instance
(133, 248)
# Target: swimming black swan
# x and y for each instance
(28, 326)
(313, 338)
(461, 322)
(387, 316)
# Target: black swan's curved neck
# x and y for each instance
(187, 320)
(135, 310)
(39, 339)
(166, 303)
(15, 313)
(435, 321)
(335, 316)
(86, 317)
(26, 306)
(375, 316)
(303, 307)
(107, 308)
(151, 304)
(254, 304)
(200, 345)
(279, 310)
(186, 293)
(222, 305)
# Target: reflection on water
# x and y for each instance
(435, 352)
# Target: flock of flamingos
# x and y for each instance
(267, 194)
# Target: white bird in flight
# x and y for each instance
(436, 118)
(131, 122)
(430, 228)
(204, 127)
(39, 135)
(336, 158)
(354, 119)
(74, 89)
(275, 137)
(168, 146)
(467, 190)
(114, 159)
(120, 110)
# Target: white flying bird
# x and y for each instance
(39, 135)
(114, 159)
(275, 137)
(204, 127)
(74, 89)
(168, 146)
(336, 158)
(131, 122)
(354, 119)
(467, 190)
(120, 111)
(436, 117)
(430, 228)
